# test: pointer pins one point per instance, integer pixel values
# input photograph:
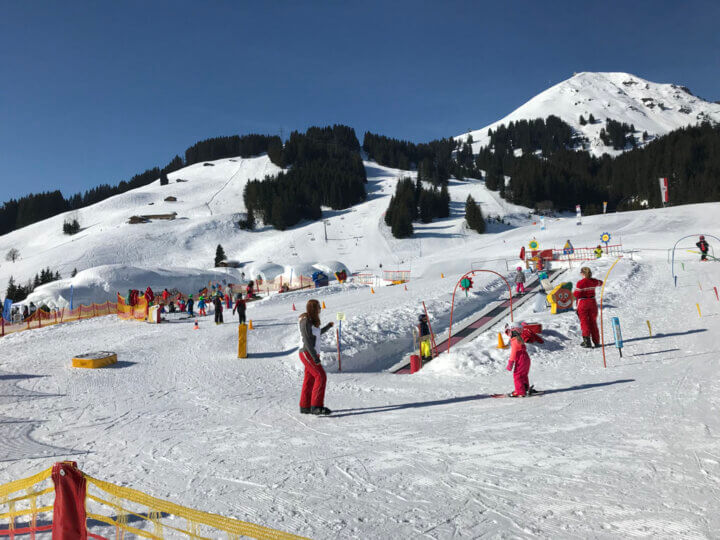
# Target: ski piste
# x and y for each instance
(485, 319)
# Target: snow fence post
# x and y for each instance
(69, 508)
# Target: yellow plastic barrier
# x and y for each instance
(94, 360)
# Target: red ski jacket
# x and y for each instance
(585, 288)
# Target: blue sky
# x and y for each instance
(95, 92)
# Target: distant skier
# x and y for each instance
(520, 280)
(519, 361)
(703, 246)
(250, 290)
(201, 306)
(312, 397)
(587, 309)
(189, 306)
(240, 308)
(598, 252)
(165, 296)
(218, 303)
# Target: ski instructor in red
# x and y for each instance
(587, 309)
(312, 398)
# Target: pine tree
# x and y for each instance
(11, 291)
(582, 120)
(164, 181)
(249, 222)
(444, 202)
(402, 223)
(473, 215)
(591, 119)
(426, 206)
(74, 272)
(219, 255)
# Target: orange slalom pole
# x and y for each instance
(602, 292)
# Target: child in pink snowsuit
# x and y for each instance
(520, 359)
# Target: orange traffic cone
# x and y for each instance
(294, 307)
(250, 327)
(372, 290)
(324, 305)
(501, 343)
(442, 276)
(196, 327)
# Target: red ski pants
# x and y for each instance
(520, 287)
(587, 312)
(313, 388)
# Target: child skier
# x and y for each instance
(598, 252)
(519, 360)
(218, 303)
(425, 338)
(240, 308)
(201, 306)
(189, 306)
(703, 246)
(520, 280)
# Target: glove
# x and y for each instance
(509, 366)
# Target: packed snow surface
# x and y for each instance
(649, 106)
(627, 450)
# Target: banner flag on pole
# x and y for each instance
(579, 214)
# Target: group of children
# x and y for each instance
(217, 298)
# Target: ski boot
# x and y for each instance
(586, 343)
(320, 411)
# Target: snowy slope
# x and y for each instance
(631, 450)
(652, 107)
(208, 205)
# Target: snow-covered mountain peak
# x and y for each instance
(650, 107)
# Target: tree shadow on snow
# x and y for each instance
(462, 399)
(18, 376)
(587, 386)
(661, 335)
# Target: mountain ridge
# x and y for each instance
(655, 108)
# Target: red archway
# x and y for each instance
(452, 306)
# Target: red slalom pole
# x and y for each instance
(716, 293)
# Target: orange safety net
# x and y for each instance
(42, 318)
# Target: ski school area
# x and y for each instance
(192, 429)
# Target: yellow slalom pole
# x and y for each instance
(602, 292)
(699, 312)
(242, 341)
(649, 328)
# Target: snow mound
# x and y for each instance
(103, 282)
